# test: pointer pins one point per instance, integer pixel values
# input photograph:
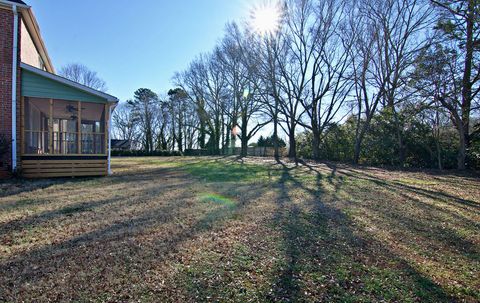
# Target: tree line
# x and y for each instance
(384, 82)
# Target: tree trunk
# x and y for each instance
(244, 150)
(275, 138)
(227, 139)
(462, 149)
(315, 144)
(398, 131)
(201, 135)
(292, 142)
(359, 135)
(180, 136)
(244, 137)
(466, 89)
(223, 135)
(439, 155)
(436, 138)
(356, 152)
(216, 138)
(203, 127)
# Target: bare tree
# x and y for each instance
(124, 124)
(326, 59)
(326, 65)
(191, 82)
(292, 59)
(433, 82)
(459, 23)
(205, 85)
(403, 25)
(269, 92)
(238, 67)
(144, 107)
(80, 73)
(388, 36)
(163, 126)
(275, 69)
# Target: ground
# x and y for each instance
(251, 230)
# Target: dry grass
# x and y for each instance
(252, 230)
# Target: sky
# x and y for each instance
(134, 44)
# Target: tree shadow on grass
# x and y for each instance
(15, 187)
(430, 225)
(119, 248)
(83, 207)
(41, 266)
(327, 259)
(395, 185)
(353, 264)
(428, 228)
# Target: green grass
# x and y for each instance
(220, 171)
(228, 230)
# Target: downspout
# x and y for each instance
(109, 137)
(14, 88)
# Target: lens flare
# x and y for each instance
(217, 199)
(235, 130)
(266, 18)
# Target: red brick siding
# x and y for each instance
(6, 48)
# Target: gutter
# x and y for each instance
(111, 108)
(14, 88)
(109, 138)
(11, 4)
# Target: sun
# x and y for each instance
(266, 18)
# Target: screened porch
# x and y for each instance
(61, 127)
(65, 127)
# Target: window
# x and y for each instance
(64, 127)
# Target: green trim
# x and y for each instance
(34, 85)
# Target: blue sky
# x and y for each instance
(133, 44)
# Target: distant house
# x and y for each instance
(58, 127)
(116, 144)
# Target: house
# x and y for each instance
(58, 128)
(120, 145)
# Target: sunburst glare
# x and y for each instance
(266, 18)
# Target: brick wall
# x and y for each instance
(6, 49)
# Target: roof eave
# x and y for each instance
(109, 98)
(32, 26)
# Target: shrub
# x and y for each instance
(268, 142)
(143, 153)
(4, 145)
(197, 152)
(474, 150)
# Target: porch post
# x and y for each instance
(50, 127)
(109, 137)
(79, 128)
(22, 125)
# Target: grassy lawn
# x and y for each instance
(222, 229)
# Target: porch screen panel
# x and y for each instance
(93, 128)
(37, 135)
(58, 127)
(65, 127)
